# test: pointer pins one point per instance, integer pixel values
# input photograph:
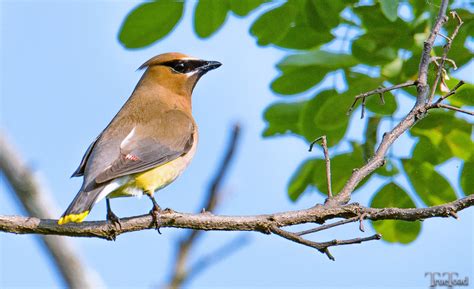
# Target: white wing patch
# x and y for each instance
(128, 138)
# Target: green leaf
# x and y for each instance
(375, 105)
(209, 16)
(438, 124)
(359, 83)
(244, 7)
(425, 151)
(303, 37)
(467, 177)
(389, 9)
(370, 50)
(432, 187)
(301, 179)
(298, 80)
(332, 114)
(319, 58)
(372, 17)
(421, 30)
(325, 114)
(283, 118)
(460, 144)
(149, 22)
(393, 69)
(383, 39)
(395, 231)
(419, 7)
(273, 25)
(324, 15)
(410, 66)
(370, 137)
(449, 136)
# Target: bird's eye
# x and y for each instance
(180, 67)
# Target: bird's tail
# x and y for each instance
(80, 206)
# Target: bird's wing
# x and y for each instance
(162, 140)
(82, 166)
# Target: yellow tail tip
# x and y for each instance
(75, 218)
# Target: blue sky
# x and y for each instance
(64, 76)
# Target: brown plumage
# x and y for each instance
(149, 142)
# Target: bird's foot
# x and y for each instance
(155, 214)
(114, 220)
(114, 224)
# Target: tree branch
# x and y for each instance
(327, 161)
(328, 226)
(422, 85)
(447, 47)
(37, 201)
(208, 221)
(417, 112)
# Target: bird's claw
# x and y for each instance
(114, 224)
(155, 214)
(114, 220)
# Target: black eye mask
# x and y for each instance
(184, 66)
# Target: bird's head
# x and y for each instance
(177, 71)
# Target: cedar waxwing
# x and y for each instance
(150, 141)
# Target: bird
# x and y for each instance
(149, 142)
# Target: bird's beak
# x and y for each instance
(209, 65)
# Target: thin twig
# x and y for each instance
(351, 241)
(297, 239)
(324, 144)
(447, 47)
(321, 246)
(180, 273)
(382, 99)
(451, 92)
(362, 111)
(450, 107)
(328, 226)
(361, 222)
(436, 58)
(380, 91)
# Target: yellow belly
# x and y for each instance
(152, 180)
